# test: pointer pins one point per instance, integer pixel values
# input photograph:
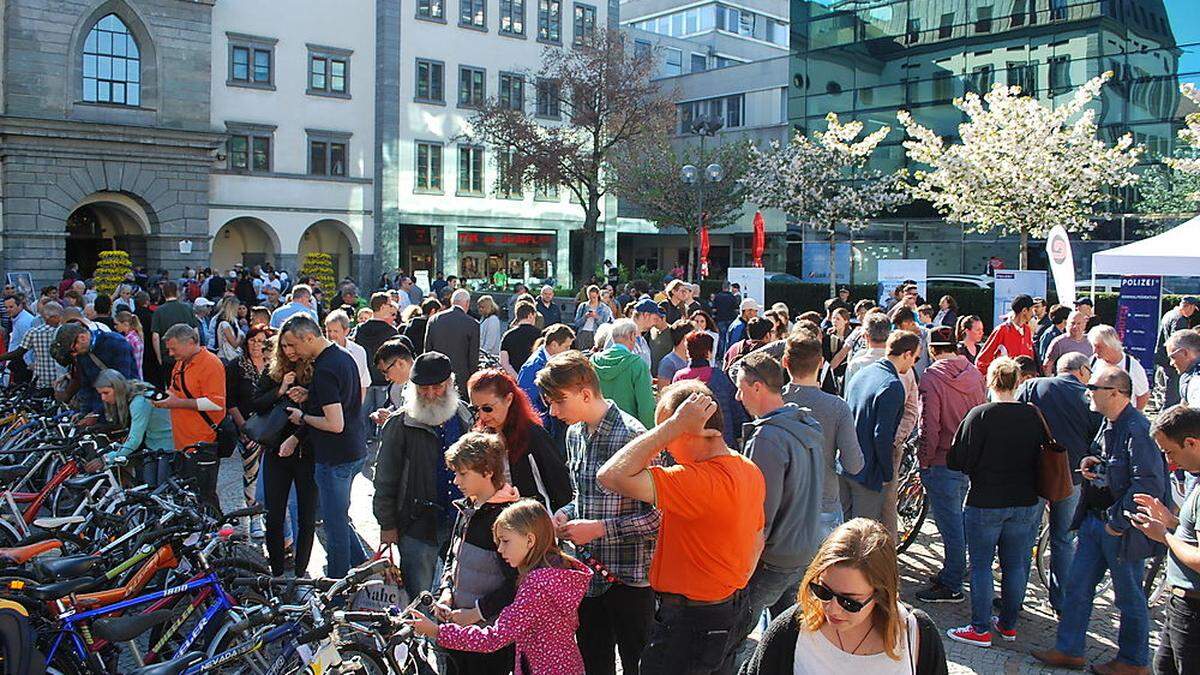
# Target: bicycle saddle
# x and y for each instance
(65, 567)
(173, 667)
(84, 480)
(19, 555)
(126, 628)
(51, 523)
(60, 589)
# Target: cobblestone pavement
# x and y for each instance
(1036, 630)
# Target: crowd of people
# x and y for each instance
(652, 475)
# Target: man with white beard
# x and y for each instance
(413, 487)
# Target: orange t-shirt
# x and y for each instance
(712, 516)
(204, 375)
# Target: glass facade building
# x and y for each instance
(866, 59)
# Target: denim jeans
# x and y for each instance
(1095, 552)
(156, 470)
(343, 548)
(692, 639)
(1179, 651)
(947, 491)
(766, 587)
(1062, 545)
(1012, 530)
(829, 521)
(419, 560)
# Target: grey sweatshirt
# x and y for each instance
(786, 445)
(840, 445)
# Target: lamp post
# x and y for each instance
(703, 126)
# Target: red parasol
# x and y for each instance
(760, 239)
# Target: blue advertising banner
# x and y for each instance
(815, 262)
(1137, 317)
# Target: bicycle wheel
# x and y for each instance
(1041, 555)
(361, 661)
(256, 661)
(911, 508)
(1155, 583)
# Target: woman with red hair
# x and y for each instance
(535, 466)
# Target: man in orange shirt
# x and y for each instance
(197, 403)
(711, 534)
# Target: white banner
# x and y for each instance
(892, 273)
(1062, 265)
(751, 280)
(1010, 284)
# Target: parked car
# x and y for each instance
(781, 278)
(960, 281)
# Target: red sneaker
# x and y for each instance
(968, 635)
(1006, 635)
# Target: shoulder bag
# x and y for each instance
(1053, 471)
(266, 428)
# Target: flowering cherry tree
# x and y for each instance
(1020, 167)
(1191, 136)
(825, 181)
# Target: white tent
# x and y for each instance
(1174, 253)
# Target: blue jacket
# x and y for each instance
(114, 352)
(876, 398)
(1135, 466)
(148, 426)
(526, 380)
(603, 315)
(1063, 402)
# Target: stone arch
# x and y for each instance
(104, 221)
(146, 43)
(335, 238)
(244, 240)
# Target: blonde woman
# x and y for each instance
(848, 616)
(229, 337)
(491, 329)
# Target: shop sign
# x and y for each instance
(503, 239)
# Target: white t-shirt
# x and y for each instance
(816, 655)
(1137, 374)
(360, 359)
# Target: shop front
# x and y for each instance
(522, 256)
(421, 244)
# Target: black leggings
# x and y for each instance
(279, 474)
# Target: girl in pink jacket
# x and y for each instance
(542, 619)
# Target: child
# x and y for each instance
(542, 619)
(476, 584)
(130, 326)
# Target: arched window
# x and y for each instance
(112, 64)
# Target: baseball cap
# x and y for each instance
(1083, 301)
(749, 303)
(202, 302)
(647, 306)
(1190, 299)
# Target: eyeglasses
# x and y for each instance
(822, 593)
(476, 409)
(1096, 387)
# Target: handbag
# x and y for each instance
(266, 428)
(1053, 470)
(385, 589)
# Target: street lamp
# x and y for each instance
(703, 126)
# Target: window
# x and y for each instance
(730, 109)
(982, 78)
(1018, 14)
(699, 63)
(327, 153)
(642, 49)
(946, 27)
(1060, 74)
(430, 9)
(512, 91)
(585, 21)
(673, 64)
(544, 191)
(472, 13)
(943, 87)
(983, 19)
(429, 167)
(251, 61)
(548, 96)
(431, 81)
(328, 71)
(471, 89)
(913, 32)
(550, 20)
(508, 186)
(512, 17)
(112, 64)
(1023, 75)
(1058, 10)
(470, 170)
(249, 147)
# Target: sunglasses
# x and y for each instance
(1096, 387)
(822, 593)
(476, 409)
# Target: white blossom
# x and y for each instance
(1020, 167)
(1189, 135)
(825, 183)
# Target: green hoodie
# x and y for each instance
(625, 379)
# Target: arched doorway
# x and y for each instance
(332, 237)
(106, 221)
(243, 241)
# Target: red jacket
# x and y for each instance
(1006, 340)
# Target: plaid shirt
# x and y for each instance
(631, 526)
(37, 341)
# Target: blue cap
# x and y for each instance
(647, 306)
(1190, 299)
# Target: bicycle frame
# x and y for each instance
(74, 624)
(289, 629)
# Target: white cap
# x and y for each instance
(749, 303)
(203, 302)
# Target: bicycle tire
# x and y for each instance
(1154, 584)
(354, 651)
(1041, 555)
(908, 534)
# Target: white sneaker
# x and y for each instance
(257, 531)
